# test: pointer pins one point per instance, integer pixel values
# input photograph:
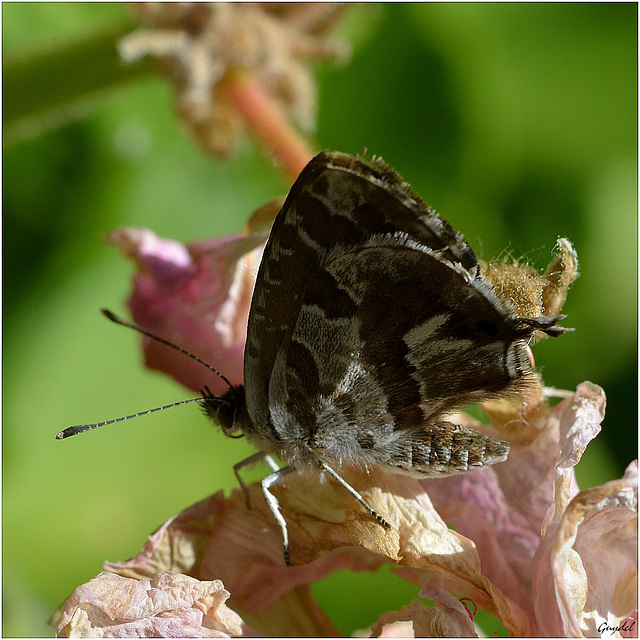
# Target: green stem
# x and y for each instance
(49, 89)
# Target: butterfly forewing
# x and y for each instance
(338, 200)
(371, 323)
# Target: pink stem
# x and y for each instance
(267, 122)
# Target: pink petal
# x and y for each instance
(169, 606)
(220, 536)
(584, 562)
(503, 508)
(329, 531)
(594, 557)
(447, 619)
(196, 296)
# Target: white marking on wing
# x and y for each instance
(416, 337)
(352, 376)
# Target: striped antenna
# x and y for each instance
(114, 318)
(81, 428)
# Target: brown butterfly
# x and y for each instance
(370, 323)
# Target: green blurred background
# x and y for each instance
(518, 122)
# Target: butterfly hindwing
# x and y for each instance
(374, 360)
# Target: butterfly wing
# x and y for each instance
(389, 339)
(338, 200)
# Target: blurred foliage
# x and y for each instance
(517, 121)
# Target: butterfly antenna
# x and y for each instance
(114, 318)
(81, 428)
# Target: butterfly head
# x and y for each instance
(227, 411)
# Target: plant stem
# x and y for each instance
(267, 122)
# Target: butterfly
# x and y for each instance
(370, 324)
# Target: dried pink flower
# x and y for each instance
(528, 548)
(196, 296)
(526, 545)
(169, 605)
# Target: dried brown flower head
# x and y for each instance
(206, 45)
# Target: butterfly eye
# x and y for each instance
(222, 411)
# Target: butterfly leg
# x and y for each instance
(274, 507)
(247, 462)
(355, 494)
